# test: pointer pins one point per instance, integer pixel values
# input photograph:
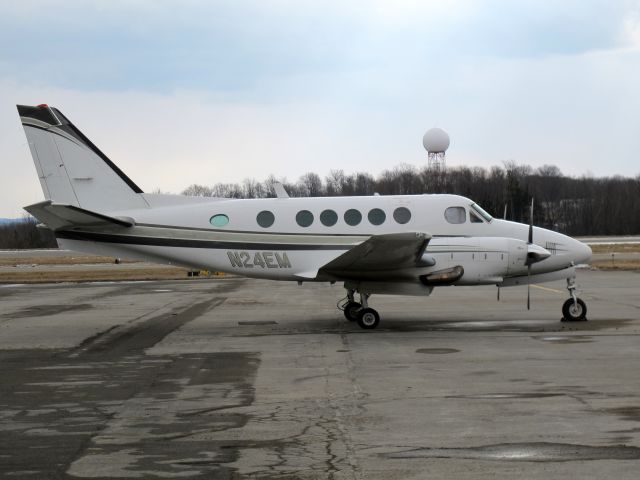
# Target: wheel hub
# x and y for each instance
(368, 319)
(576, 310)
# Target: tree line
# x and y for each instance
(572, 205)
(23, 233)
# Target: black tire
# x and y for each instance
(368, 318)
(574, 313)
(351, 311)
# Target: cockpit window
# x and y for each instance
(455, 215)
(478, 209)
(474, 218)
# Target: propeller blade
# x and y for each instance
(530, 259)
(531, 223)
(529, 287)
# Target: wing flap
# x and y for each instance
(390, 251)
(60, 217)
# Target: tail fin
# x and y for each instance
(72, 170)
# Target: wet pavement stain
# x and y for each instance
(500, 396)
(144, 416)
(437, 351)
(110, 410)
(259, 322)
(630, 413)
(137, 337)
(525, 452)
(491, 325)
(564, 339)
(47, 310)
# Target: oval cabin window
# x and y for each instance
(376, 216)
(328, 218)
(402, 215)
(352, 217)
(219, 220)
(265, 219)
(304, 218)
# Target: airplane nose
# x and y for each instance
(581, 252)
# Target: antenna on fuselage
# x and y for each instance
(279, 190)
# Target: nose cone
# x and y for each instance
(581, 252)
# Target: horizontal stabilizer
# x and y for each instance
(62, 217)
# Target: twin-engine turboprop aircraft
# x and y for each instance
(397, 244)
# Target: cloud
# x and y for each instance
(236, 46)
(224, 91)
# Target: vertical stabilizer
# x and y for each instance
(72, 170)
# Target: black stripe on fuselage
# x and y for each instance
(214, 244)
(190, 243)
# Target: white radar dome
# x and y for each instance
(436, 140)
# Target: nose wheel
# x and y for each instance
(574, 309)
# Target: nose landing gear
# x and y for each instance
(574, 309)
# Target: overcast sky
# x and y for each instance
(206, 91)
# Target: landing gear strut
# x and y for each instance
(360, 312)
(574, 309)
(351, 308)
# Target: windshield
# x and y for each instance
(478, 209)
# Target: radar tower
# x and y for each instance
(436, 141)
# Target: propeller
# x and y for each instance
(529, 258)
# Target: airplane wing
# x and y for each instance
(391, 251)
(58, 217)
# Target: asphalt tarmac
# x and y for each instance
(237, 378)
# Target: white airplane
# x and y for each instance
(396, 244)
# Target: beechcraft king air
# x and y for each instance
(396, 244)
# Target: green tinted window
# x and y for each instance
(219, 220)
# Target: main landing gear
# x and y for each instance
(574, 309)
(359, 312)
